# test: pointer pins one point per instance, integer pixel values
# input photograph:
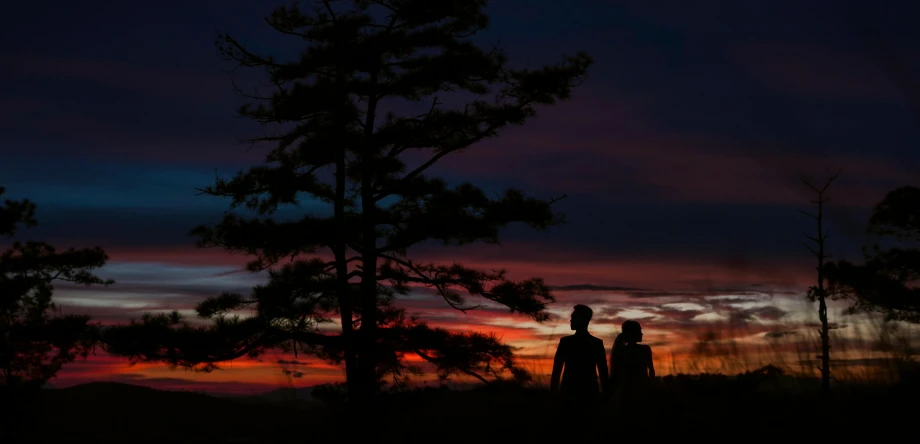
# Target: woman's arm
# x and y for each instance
(602, 369)
(614, 371)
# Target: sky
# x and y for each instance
(681, 155)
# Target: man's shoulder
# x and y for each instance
(576, 337)
(596, 340)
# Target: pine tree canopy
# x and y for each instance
(339, 135)
(34, 341)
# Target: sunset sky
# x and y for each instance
(680, 155)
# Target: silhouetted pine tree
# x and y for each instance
(340, 146)
(34, 345)
(886, 281)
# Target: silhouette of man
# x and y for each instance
(580, 361)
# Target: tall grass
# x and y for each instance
(866, 350)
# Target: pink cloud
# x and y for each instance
(189, 255)
(558, 266)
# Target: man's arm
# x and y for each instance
(558, 362)
(602, 369)
(651, 364)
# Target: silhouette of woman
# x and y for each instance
(631, 367)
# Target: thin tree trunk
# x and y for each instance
(369, 253)
(822, 304)
(343, 289)
(819, 292)
(369, 298)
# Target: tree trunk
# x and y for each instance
(343, 289)
(819, 292)
(825, 348)
(822, 307)
(368, 348)
(369, 253)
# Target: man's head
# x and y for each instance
(581, 316)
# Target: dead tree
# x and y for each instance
(818, 292)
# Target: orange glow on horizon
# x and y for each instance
(267, 372)
(672, 325)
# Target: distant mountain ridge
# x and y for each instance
(285, 394)
(281, 395)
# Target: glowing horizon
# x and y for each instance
(753, 326)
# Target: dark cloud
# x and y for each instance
(165, 218)
(293, 373)
(884, 363)
(764, 313)
(779, 334)
(725, 294)
(831, 325)
(592, 287)
(161, 382)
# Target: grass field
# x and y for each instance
(711, 407)
(706, 400)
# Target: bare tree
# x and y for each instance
(819, 292)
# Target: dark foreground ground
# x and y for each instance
(711, 410)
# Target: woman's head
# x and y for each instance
(632, 331)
